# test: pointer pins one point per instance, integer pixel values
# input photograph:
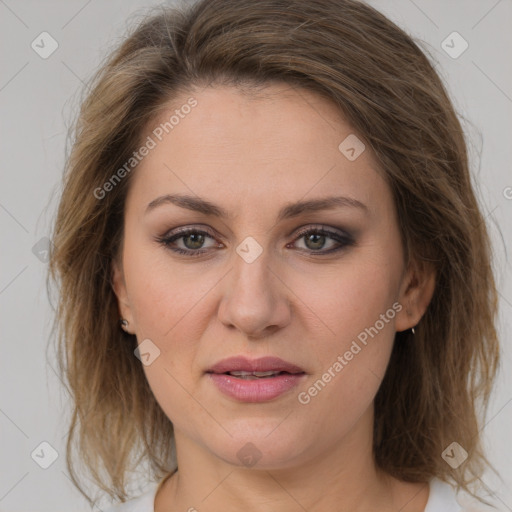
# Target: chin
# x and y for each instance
(260, 445)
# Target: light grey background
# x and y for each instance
(38, 99)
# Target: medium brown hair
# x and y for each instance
(437, 383)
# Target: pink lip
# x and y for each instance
(256, 390)
(263, 364)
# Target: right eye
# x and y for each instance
(193, 238)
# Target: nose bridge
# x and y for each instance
(253, 299)
(251, 276)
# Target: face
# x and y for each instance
(318, 292)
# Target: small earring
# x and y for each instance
(124, 323)
(413, 331)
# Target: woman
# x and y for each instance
(274, 197)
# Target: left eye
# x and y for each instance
(315, 239)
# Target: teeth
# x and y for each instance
(252, 375)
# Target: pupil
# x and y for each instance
(199, 240)
(321, 238)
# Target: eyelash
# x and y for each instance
(344, 239)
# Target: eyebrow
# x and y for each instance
(289, 211)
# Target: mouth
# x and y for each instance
(256, 375)
(257, 380)
(264, 367)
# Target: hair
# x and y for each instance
(437, 384)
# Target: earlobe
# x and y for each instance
(119, 287)
(415, 296)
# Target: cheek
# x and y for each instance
(174, 391)
(169, 305)
(348, 299)
(358, 305)
(353, 361)
(164, 297)
(168, 310)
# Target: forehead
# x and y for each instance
(250, 148)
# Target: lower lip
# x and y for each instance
(255, 390)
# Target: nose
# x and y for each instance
(255, 300)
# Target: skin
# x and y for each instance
(252, 154)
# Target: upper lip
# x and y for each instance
(263, 364)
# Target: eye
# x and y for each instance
(315, 239)
(191, 238)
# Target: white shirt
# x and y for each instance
(442, 498)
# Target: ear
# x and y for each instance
(416, 293)
(119, 286)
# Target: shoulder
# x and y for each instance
(470, 504)
(143, 503)
(444, 498)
